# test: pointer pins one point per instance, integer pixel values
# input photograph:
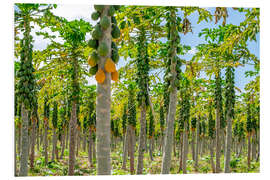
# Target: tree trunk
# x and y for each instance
(103, 109)
(193, 145)
(19, 140)
(131, 147)
(142, 139)
(94, 149)
(185, 148)
(253, 149)
(46, 139)
(197, 145)
(15, 152)
(62, 144)
(212, 155)
(217, 140)
(37, 138)
(24, 143)
(181, 150)
(125, 152)
(67, 137)
(249, 149)
(228, 143)
(33, 137)
(258, 153)
(54, 144)
(84, 141)
(166, 160)
(90, 148)
(72, 139)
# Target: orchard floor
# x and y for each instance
(82, 168)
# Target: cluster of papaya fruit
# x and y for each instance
(26, 85)
(101, 46)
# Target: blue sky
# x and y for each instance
(234, 17)
(72, 12)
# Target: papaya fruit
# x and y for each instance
(113, 19)
(100, 76)
(115, 76)
(97, 32)
(103, 49)
(115, 32)
(95, 16)
(105, 22)
(93, 70)
(115, 56)
(91, 61)
(111, 11)
(109, 65)
(99, 8)
(93, 43)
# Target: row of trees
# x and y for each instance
(184, 110)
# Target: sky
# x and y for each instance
(71, 12)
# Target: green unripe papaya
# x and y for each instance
(104, 22)
(95, 56)
(93, 70)
(92, 43)
(103, 49)
(115, 32)
(113, 46)
(97, 33)
(95, 16)
(113, 19)
(99, 8)
(115, 56)
(111, 11)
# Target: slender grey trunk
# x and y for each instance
(185, 148)
(19, 140)
(258, 153)
(15, 153)
(193, 145)
(166, 160)
(90, 148)
(131, 147)
(54, 144)
(72, 139)
(46, 140)
(197, 145)
(249, 149)
(253, 151)
(94, 149)
(103, 109)
(24, 142)
(62, 144)
(33, 137)
(142, 139)
(84, 141)
(228, 143)
(125, 152)
(181, 150)
(217, 140)
(67, 137)
(37, 138)
(212, 155)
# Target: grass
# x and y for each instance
(82, 167)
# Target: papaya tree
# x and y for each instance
(102, 61)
